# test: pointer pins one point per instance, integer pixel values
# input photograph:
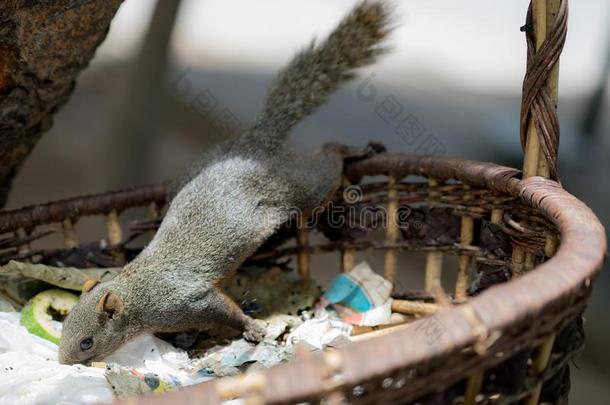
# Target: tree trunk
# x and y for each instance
(136, 124)
(43, 47)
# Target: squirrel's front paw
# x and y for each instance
(255, 332)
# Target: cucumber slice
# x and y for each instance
(36, 315)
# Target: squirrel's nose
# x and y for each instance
(63, 358)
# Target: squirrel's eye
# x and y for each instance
(86, 344)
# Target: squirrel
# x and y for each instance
(226, 205)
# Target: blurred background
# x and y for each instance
(175, 77)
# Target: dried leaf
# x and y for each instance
(64, 277)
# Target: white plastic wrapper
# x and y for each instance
(321, 332)
(147, 353)
(30, 373)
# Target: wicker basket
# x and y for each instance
(500, 346)
(505, 333)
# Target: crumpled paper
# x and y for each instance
(316, 333)
(360, 289)
(240, 355)
(321, 332)
(361, 297)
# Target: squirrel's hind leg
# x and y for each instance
(320, 175)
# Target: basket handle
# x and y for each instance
(546, 29)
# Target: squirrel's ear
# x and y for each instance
(110, 304)
(89, 284)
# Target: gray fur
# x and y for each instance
(227, 205)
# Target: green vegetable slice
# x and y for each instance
(36, 315)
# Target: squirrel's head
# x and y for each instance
(96, 326)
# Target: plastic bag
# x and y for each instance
(30, 373)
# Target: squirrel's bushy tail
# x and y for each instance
(320, 69)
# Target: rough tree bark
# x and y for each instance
(43, 47)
